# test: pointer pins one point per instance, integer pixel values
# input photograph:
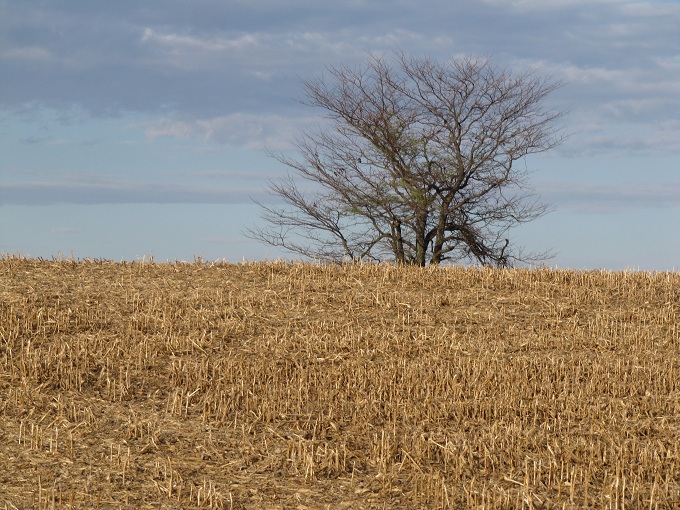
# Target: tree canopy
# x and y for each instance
(417, 163)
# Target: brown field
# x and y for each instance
(294, 386)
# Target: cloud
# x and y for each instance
(26, 53)
(229, 72)
(669, 62)
(191, 52)
(590, 75)
(42, 193)
(197, 43)
(266, 54)
(35, 140)
(609, 198)
(66, 230)
(239, 129)
(543, 5)
(625, 106)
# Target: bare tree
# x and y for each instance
(419, 164)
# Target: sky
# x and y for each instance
(141, 129)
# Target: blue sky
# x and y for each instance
(132, 129)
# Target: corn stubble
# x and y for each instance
(274, 385)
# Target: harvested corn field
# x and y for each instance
(296, 386)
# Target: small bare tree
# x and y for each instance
(419, 164)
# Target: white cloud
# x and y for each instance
(545, 5)
(119, 192)
(609, 198)
(594, 135)
(288, 51)
(670, 63)
(238, 129)
(27, 53)
(652, 9)
(210, 44)
(590, 75)
(632, 108)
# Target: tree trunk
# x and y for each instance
(421, 241)
(398, 244)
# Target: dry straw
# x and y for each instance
(276, 385)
